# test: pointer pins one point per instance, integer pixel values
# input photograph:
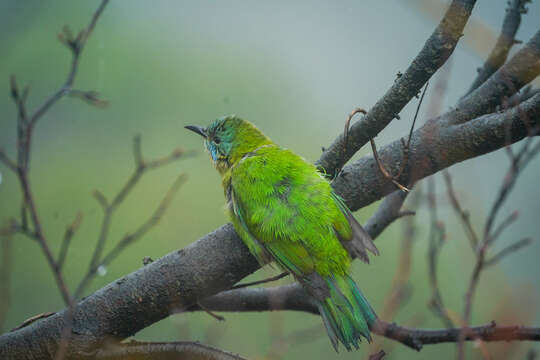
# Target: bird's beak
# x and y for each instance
(197, 129)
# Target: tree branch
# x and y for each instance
(164, 351)
(433, 148)
(433, 55)
(76, 45)
(504, 43)
(293, 297)
(520, 70)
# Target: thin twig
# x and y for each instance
(407, 146)
(263, 281)
(463, 215)
(348, 125)
(436, 241)
(7, 161)
(128, 239)
(40, 237)
(211, 313)
(401, 290)
(377, 356)
(90, 97)
(503, 225)
(33, 319)
(68, 235)
(108, 208)
(76, 45)
(404, 145)
(507, 251)
(382, 169)
(518, 163)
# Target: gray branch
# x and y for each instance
(164, 351)
(506, 40)
(433, 55)
(293, 297)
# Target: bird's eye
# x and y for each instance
(217, 140)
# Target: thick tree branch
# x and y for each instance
(139, 299)
(433, 148)
(433, 55)
(520, 70)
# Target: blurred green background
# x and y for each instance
(296, 70)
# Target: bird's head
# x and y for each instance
(228, 139)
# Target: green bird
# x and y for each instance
(284, 210)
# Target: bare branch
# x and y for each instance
(7, 161)
(433, 55)
(90, 97)
(463, 215)
(401, 289)
(77, 46)
(136, 350)
(377, 356)
(504, 43)
(520, 70)
(387, 212)
(68, 235)
(40, 237)
(503, 225)
(507, 251)
(436, 241)
(293, 297)
(263, 281)
(433, 148)
(33, 319)
(128, 239)
(517, 165)
(141, 167)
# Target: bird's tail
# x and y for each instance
(346, 313)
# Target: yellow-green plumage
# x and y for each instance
(285, 211)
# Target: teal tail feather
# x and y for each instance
(346, 313)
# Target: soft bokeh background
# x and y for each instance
(296, 70)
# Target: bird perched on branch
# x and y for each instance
(284, 210)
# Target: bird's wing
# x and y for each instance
(238, 220)
(292, 256)
(360, 241)
(285, 209)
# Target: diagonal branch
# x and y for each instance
(520, 70)
(433, 55)
(504, 43)
(434, 148)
